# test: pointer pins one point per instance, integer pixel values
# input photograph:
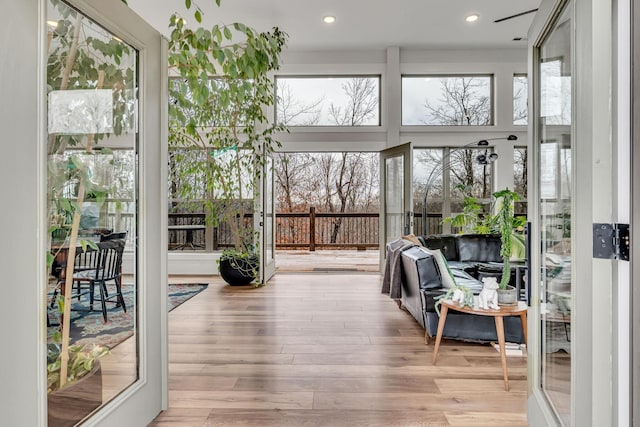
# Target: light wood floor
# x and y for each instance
(326, 350)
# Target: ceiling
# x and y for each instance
(362, 24)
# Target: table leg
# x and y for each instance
(443, 318)
(523, 320)
(503, 353)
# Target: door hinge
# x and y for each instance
(611, 241)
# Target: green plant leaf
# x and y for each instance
(227, 33)
(50, 259)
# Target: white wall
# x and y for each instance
(22, 259)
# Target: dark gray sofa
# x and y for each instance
(470, 258)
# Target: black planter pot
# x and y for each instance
(239, 271)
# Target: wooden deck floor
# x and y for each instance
(326, 350)
(328, 261)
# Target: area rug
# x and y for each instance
(87, 327)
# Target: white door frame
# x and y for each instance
(595, 199)
(265, 202)
(631, 9)
(406, 152)
(24, 120)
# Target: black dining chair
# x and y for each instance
(84, 261)
(113, 235)
(97, 267)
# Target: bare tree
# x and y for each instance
(333, 182)
(462, 103)
(520, 174)
(520, 109)
(362, 105)
(293, 181)
(293, 112)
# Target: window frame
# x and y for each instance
(377, 76)
(492, 99)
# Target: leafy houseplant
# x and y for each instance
(219, 133)
(472, 219)
(81, 362)
(82, 393)
(502, 222)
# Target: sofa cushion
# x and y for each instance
(463, 278)
(479, 247)
(446, 243)
(468, 267)
(419, 266)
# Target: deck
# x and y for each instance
(327, 261)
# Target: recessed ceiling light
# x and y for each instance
(472, 18)
(329, 19)
(52, 24)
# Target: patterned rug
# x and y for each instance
(87, 327)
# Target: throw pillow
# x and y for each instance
(448, 281)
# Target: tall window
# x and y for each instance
(554, 144)
(520, 97)
(520, 178)
(447, 100)
(328, 101)
(441, 178)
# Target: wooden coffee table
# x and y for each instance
(516, 310)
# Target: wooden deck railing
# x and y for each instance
(294, 230)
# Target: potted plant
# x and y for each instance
(502, 222)
(81, 393)
(219, 133)
(506, 225)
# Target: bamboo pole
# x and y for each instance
(65, 321)
(66, 73)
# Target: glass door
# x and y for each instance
(98, 153)
(395, 188)
(555, 145)
(267, 222)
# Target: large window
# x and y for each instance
(441, 179)
(447, 100)
(191, 194)
(520, 97)
(328, 101)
